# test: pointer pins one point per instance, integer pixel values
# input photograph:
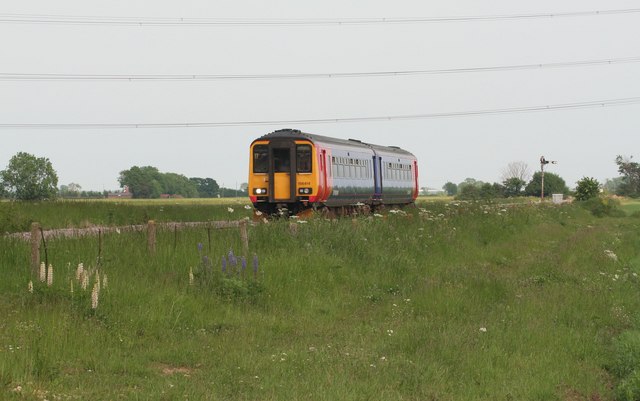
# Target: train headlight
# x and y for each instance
(260, 191)
(304, 191)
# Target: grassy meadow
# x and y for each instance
(446, 301)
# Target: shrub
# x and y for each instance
(601, 207)
(587, 188)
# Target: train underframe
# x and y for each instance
(307, 208)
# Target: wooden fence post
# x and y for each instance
(151, 236)
(35, 247)
(244, 235)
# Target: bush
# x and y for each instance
(587, 188)
(601, 207)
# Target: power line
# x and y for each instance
(210, 77)
(552, 107)
(155, 21)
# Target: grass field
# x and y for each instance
(448, 301)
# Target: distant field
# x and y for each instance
(448, 301)
(631, 205)
(16, 216)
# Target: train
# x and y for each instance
(291, 172)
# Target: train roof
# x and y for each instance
(297, 134)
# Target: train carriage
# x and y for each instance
(293, 170)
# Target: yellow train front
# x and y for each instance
(292, 171)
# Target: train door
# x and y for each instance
(377, 176)
(282, 172)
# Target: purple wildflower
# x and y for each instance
(244, 264)
(233, 261)
(199, 246)
(224, 264)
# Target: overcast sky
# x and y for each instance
(584, 141)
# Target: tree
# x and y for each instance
(143, 182)
(612, 185)
(469, 182)
(207, 187)
(553, 184)
(630, 172)
(587, 188)
(519, 170)
(72, 190)
(28, 177)
(178, 184)
(450, 188)
(513, 186)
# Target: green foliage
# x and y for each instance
(630, 172)
(450, 188)
(147, 182)
(587, 188)
(553, 184)
(206, 187)
(143, 182)
(603, 206)
(513, 187)
(28, 177)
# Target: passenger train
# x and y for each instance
(295, 171)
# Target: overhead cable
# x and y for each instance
(157, 21)
(526, 109)
(8, 76)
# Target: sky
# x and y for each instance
(451, 141)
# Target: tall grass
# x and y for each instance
(450, 301)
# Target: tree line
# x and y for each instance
(28, 177)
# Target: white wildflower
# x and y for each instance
(191, 278)
(611, 255)
(230, 209)
(84, 281)
(483, 329)
(377, 215)
(105, 281)
(94, 295)
(79, 271)
(247, 207)
(50, 275)
(302, 221)
(43, 272)
(30, 287)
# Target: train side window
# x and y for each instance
(260, 159)
(303, 158)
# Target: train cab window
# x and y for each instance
(303, 158)
(282, 160)
(260, 159)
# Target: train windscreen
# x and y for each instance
(303, 158)
(260, 159)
